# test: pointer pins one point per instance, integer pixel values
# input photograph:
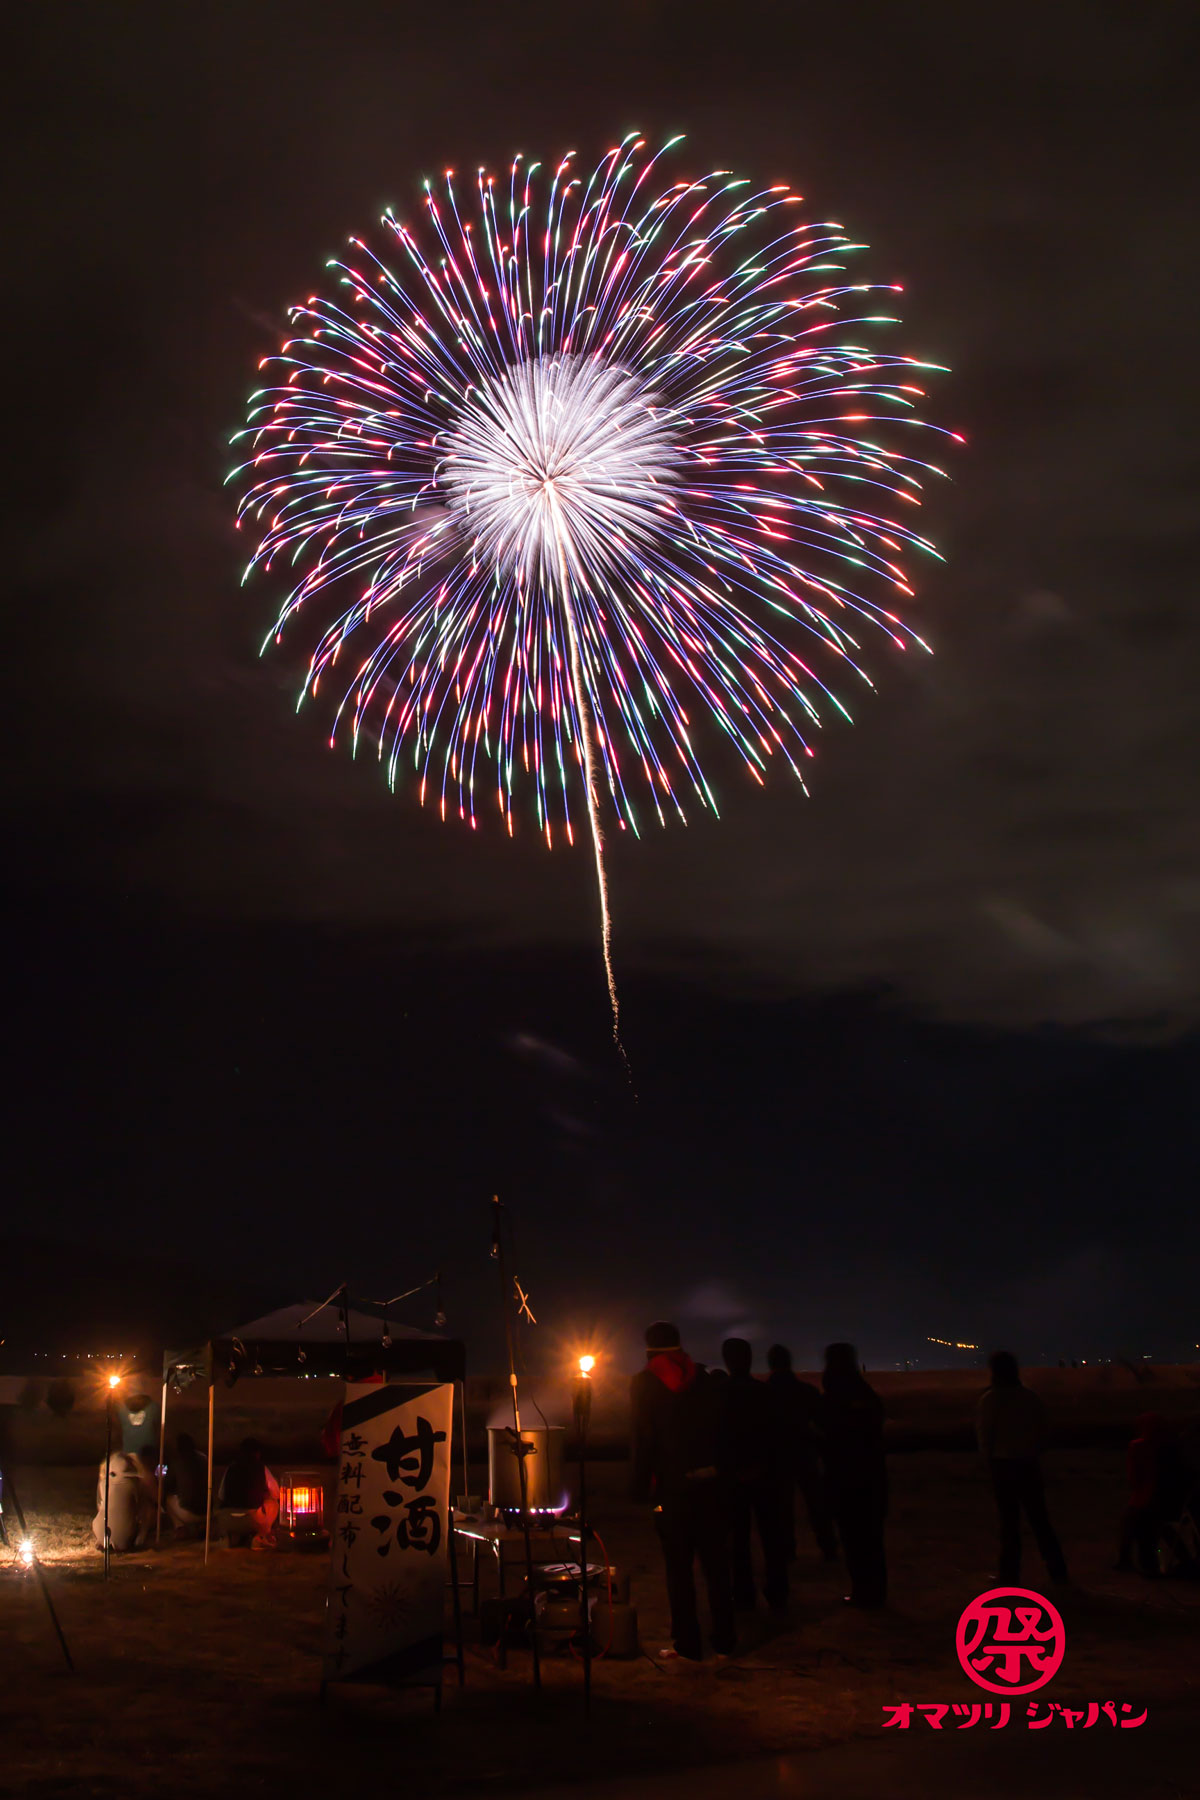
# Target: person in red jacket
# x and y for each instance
(678, 1466)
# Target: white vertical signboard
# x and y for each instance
(387, 1590)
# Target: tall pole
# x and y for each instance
(520, 1448)
(462, 1414)
(162, 1453)
(583, 1409)
(108, 1414)
(208, 1498)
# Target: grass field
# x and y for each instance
(204, 1682)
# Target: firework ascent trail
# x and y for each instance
(592, 478)
(589, 763)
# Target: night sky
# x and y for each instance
(916, 1055)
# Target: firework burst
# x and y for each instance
(607, 456)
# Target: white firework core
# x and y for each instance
(565, 456)
(555, 472)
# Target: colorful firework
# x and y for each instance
(586, 468)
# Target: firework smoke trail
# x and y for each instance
(576, 476)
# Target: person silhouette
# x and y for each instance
(1158, 1490)
(758, 1479)
(1011, 1427)
(797, 1406)
(676, 1466)
(851, 1426)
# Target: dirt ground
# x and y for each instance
(200, 1682)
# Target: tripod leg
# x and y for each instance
(58, 1630)
(39, 1572)
(458, 1631)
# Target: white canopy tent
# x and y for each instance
(309, 1338)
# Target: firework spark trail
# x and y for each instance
(589, 767)
(577, 476)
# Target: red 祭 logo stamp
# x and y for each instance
(1010, 1640)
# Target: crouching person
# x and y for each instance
(248, 1500)
(130, 1509)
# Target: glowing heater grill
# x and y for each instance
(302, 1506)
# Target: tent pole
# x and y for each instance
(162, 1445)
(208, 1508)
(462, 1413)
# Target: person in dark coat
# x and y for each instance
(1011, 1427)
(186, 1487)
(797, 1406)
(753, 1451)
(676, 1456)
(851, 1425)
